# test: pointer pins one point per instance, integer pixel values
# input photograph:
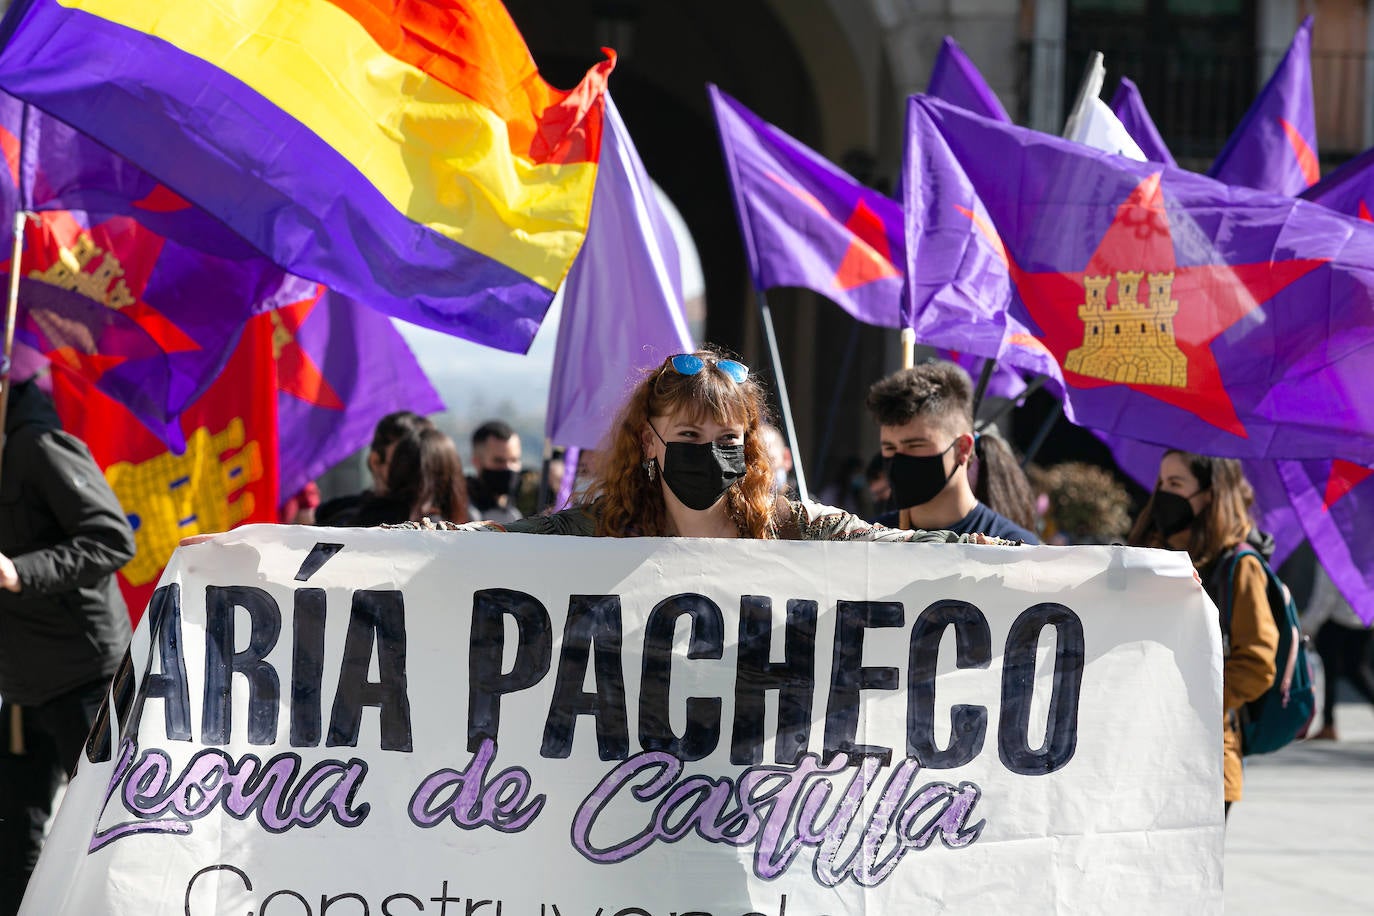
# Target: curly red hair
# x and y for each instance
(628, 504)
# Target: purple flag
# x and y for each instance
(409, 155)
(1175, 309)
(1349, 189)
(622, 302)
(806, 223)
(1275, 146)
(1334, 501)
(955, 79)
(341, 367)
(176, 281)
(1005, 381)
(1129, 109)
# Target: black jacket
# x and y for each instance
(64, 529)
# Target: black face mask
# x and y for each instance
(498, 483)
(699, 473)
(1172, 513)
(917, 480)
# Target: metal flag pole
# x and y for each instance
(1042, 434)
(984, 377)
(21, 217)
(541, 500)
(1019, 401)
(766, 317)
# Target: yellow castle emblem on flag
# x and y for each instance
(181, 495)
(1131, 342)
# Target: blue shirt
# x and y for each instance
(981, 520)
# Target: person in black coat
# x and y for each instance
(63, 623)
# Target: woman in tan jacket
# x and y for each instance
(1202, 505)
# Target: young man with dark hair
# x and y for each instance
(925, 417)
(495, 477)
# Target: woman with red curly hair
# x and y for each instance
(686, 458)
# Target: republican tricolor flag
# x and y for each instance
(406, 155)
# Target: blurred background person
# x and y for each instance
(879, 490)
(300, 508)
(1086, 504)
(495, 480)
(780, 457)
(424, 481)
(1342, 640)
(344, 511)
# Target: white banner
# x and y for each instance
(393, 722)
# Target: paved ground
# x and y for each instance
(1302, 840)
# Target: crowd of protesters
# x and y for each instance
(690, 455)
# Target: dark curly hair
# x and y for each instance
(1087, 503)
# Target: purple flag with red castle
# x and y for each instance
(124, 282)
(958, 81)
(341, 367)
(1130, 110)
(1275, 146)
(806, 223)
(1281, 487)
(1174, 308)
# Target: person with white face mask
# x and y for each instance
(925, 419)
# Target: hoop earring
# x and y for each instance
(650, 466)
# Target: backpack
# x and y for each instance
(1284, 711)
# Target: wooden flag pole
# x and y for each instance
(908, 347)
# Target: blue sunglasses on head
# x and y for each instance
(691, 364)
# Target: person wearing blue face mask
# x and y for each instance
(925, 420)
(687, 458)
